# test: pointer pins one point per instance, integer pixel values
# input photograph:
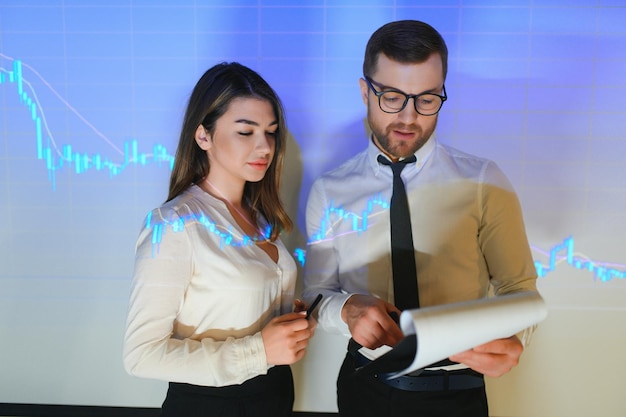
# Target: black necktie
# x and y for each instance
(402, 251)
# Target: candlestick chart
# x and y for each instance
(55, 155)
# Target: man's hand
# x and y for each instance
(369, 321)
(494, 358)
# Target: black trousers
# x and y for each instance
(270, 395)
(364, 396)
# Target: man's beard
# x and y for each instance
(401, 149)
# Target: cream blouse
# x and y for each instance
(201, 293)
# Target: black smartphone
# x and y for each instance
(313, 305)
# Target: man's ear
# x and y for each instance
(202, 138)
(364, 90)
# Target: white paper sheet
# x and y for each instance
(442, 331)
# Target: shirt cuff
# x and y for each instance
(253, 355)
(330, 314)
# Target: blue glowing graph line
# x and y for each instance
(300, 255)
(177, 223)
(59, 157)
(335, 214)
(564, 253)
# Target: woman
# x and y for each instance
(212, 293)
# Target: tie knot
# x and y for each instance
(398, 166)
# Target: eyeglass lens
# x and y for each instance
(393, 101)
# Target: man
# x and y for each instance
(467, 230)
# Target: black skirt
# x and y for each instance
(270, 395)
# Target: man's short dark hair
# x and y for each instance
(405, 41)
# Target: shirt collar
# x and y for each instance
(421, 155)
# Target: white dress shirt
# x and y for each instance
(467, 226)
(201, 293)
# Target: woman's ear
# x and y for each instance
(202, 138)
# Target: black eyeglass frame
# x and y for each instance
(379, 94)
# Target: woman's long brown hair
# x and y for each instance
(209, 100)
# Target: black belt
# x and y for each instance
(446, 381)
(438, 380)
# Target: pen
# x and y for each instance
(313, 305)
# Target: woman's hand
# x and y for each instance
(299, 306)
(286, 338)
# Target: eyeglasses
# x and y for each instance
(394, 101)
